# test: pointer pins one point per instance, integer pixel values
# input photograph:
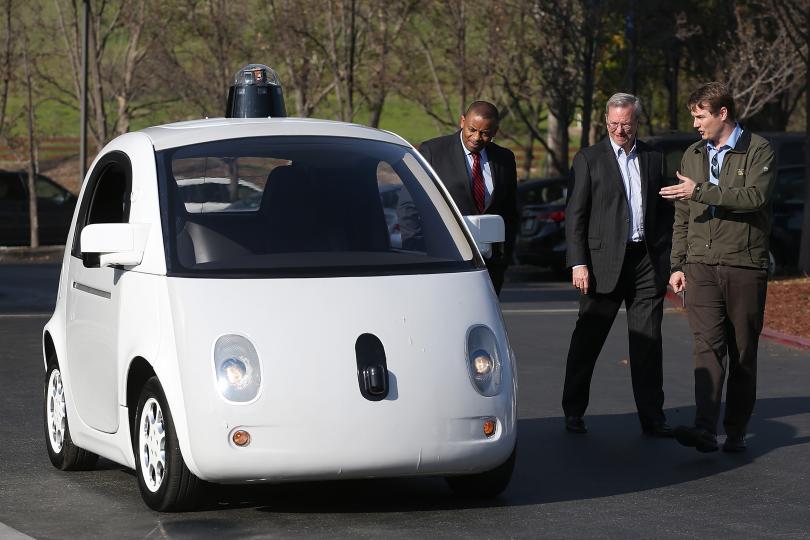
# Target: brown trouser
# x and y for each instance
(725, 306)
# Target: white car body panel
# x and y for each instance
(310, 420)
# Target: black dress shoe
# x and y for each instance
(735, 445)
(659, 429)
(697, 438)
(575, 424)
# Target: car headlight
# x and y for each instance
(236, 368)
(483, 361)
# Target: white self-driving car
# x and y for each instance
(276, 332)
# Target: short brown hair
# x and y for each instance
(712, 96)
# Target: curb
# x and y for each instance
(12, 254)
(767, 333)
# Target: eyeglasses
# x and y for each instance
(613, 126)
(715, 169)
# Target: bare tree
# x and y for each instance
(120, 36)
(333, 36)
(446, 70)
(136, 92)
(208, 43)
(387, 20)
(519, 82)
(305, 71)
(33, 160)
(761, 60)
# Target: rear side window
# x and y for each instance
(11, 188)
(107, 196)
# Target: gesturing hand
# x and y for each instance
(680, 192)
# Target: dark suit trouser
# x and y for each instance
(726, 307)
(645, 308)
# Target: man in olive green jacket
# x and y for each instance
(720, 259)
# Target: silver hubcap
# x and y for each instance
(56, 418)
(152, 445)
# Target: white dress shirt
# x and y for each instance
(628, 165)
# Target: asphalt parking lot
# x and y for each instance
(611, 483)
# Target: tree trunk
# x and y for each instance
(528, 151)
(96, 92)
(558, 144)
(33, 214)
(587, 89)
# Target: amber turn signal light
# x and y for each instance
(241, 437)
(489, 427)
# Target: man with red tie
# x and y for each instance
(480, 176)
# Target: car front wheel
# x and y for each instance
(165, 482)
(484, 485)
(64, 455)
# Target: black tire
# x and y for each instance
(64, 455)
(171, 486)
(485, 485)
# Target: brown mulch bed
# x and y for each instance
(787, 308)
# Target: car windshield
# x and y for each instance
(305, 206)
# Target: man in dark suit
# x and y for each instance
(619, 236)
(480, 176)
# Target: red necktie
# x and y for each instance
(478, 182)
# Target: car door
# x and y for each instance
(93, 299)
(13, 210)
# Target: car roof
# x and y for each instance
(216, 129)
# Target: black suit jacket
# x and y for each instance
(597, 215)
(446, 156)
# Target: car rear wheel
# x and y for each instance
(484, 485)
(165, 482)
(64, 455)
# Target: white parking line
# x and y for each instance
(7, 533)
(24, 315)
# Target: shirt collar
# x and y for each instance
(617, 149)
(732, 139)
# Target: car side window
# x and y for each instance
(11, 188)
(48, 191)
(107, 197)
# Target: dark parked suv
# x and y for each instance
(54, 209)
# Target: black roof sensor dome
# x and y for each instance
(255, 93)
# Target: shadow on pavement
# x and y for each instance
(552, 466)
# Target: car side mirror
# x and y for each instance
(486, 230)
(115, 243)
